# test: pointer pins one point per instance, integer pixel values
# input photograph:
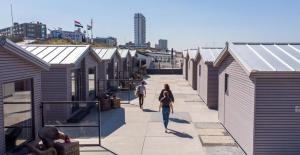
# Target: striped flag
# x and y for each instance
(89, 27)
(77, 24)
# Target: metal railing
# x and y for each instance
(72, 116)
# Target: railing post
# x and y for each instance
(99, 122)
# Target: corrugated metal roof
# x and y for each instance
(105, 53)
(58, 54)
(270, 57)
(210, 54)
(123, 53)
(132, 53)
(193, 53)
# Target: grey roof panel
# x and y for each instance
(285, 56)
(250, 58)
(36, 50)
(123, 52)
(132, 53)
(30, 48)
(58, 54)
(74, 55)
(270, 57)
(210, 54)
(54, 53)
(193, 53)
(45, 52)
(61, 56)
(105, 53)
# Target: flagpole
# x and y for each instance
(92, 31)
(75, 32)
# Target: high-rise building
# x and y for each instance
(162, 44)
(26, 31)
(139, 29)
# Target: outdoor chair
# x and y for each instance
(37, 148)
(11, 136)
(52, 139)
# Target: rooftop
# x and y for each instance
(105, 53)
(210, 54)
(57, 54)
(266, 57)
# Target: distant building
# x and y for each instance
(139, 29)
(109, 41)
(72, 35)
(132, 45)
(162, 44)
(26, 31)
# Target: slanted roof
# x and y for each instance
(264, 57)
(132, 53)
(59, 54)
(193, 53)
(17, 50)
(210, 54)
(185, 53)
(106, 53)
(123, 53)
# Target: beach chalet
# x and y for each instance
(134, 61)
(108, 68)
(72, 76)
(185, 65)
(20, 96)
(126, 63)
(259, 96)
(194, 58)
(207, 76)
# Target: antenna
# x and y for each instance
(12, 18)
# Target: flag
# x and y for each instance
(77, 24)
(89, 27)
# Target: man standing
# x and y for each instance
(141, 93)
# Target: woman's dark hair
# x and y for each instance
(167, 87)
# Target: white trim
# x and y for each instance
(274, 55)
(285, 52)
(264, 60)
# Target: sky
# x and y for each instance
(184, 23)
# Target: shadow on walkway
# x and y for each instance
(149, 110)
(177, 120)
(111, 121)
(96, 149)
(180, 134)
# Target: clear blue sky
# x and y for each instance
(185, 23)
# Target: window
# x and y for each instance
(18, 113)
(199, 70)
(226, 83)
(92, 82)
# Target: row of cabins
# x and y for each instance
(256, 89)
(31, 74)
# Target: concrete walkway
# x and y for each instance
(132, 131)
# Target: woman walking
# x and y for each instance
(166, 88)
(166, 105)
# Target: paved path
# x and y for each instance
(131, 131)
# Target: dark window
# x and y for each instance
(18, 113)
(92, 82)
(226, 83)
(199, 70)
